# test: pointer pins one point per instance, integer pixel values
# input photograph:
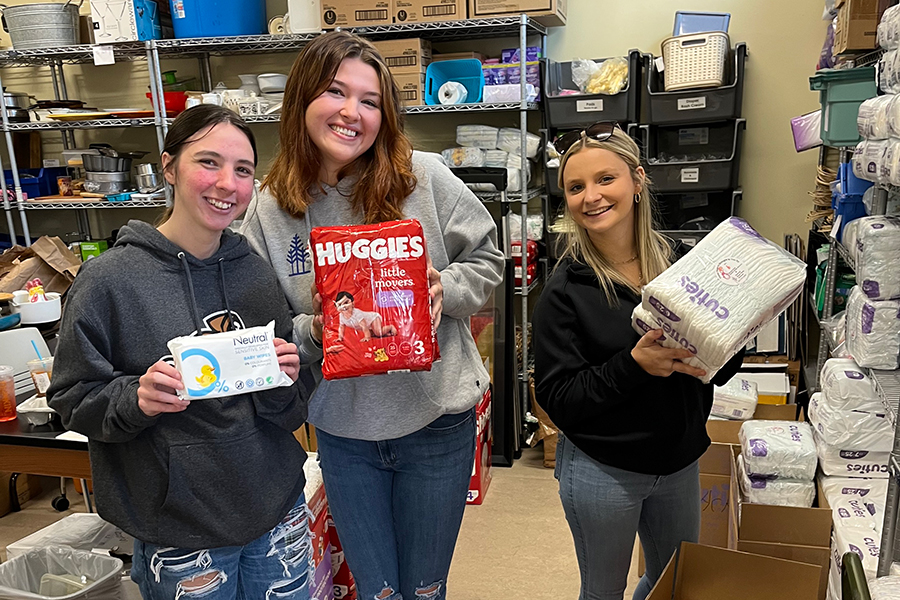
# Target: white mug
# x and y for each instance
(192, 101)
(212, 98)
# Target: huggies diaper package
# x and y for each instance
(228, 363)
(373, 280)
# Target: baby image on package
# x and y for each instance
(373, 280)
(228, 363)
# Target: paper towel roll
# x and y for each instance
(452, 92)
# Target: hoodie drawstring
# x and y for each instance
(187, 274)
(225, 293)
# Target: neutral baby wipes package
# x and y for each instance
(737, 399)
(228, 363)
(779, 492)
(721, 293)
(778, 449)
(847, 387)
(873, 331)
(850, 429)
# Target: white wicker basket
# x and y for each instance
(695, 61)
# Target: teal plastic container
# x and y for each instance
(216, 18)
(841, 91)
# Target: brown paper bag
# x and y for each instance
(547, 431)
(47, 259)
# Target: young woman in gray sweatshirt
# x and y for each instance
(396, 450)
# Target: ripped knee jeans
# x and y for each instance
(275, 566)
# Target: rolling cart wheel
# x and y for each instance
(60, 503)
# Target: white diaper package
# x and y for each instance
(722, 292)
(837, 462)
(780, 492)
(877, 247)
(847, 387)
(477, 136)
(496, 158)
(864, 543)
(736, 399)
(870, 490)
(228, 363)
(778, 449)
(872, 119)
(873, 331)
(511, 140)
(850, 429)
(858, 513)
(885, 588)
(465, 156)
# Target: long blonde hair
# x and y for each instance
(653, 249)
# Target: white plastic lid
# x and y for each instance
(6, 371)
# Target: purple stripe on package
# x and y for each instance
(854, 375)
(396, 299)
(758, 484)
(853, 454)
(745, 227)
(871, 288)
(661, 308)
(758, 447)
(868, 317)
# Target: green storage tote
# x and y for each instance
(841, 91)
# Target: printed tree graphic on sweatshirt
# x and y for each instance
(297, 256)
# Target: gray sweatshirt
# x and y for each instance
(462, 242)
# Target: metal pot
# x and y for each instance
(17, 100)
(107, 183)
(17, 115)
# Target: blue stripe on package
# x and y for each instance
(228, 363)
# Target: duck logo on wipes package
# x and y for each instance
(373, 280)
(228, 363)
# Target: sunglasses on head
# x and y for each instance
(600, 132)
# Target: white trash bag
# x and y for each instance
(63, 573)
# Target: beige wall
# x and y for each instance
(784, 40)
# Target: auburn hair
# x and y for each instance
(384, 172)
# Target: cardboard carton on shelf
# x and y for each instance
(421, 11)
(551, 13)
(705, 573)
(355, 13)
(412, 88)
(411, 55)
(856, 26)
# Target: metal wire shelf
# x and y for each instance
(266, 44)
(538, 280)
(510, 196)
(887, 384)
(473, 107)
(91, 204)
(845, 254)
(86, 124)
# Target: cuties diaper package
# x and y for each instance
(228, 363)
(373, 280)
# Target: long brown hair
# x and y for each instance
(385, 170)
(653, 249)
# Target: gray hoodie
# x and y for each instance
(225, 470)
(462, 241)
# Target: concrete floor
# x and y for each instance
(515, 545)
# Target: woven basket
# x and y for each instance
(695, 61)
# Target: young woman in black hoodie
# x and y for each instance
(632, 416)
(211, 489)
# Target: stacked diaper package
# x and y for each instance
(485, 146)
(720, 294)
(885, 588)
(777, 464)
(735, 400)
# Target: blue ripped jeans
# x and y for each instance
(398, 505)
(606, 506)
(276, 565)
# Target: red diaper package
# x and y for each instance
(373, 280)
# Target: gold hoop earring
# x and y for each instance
(637, 198)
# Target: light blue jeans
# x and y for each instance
(606, 506)
(398, 505)
(277, 565)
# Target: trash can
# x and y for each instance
(62, 573)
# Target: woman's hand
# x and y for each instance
(156, 393)
(288, 359)
(318, 322)
(436, 293)
(659, 361)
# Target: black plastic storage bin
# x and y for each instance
(686, 175)
(681, 212)
(569, 112)
(700, 105)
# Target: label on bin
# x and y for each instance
(696, 136)
(589, 105)
(692, 103)
(691, 175)
(103, 55)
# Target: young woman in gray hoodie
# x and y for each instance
(396, 450)
(211, 489)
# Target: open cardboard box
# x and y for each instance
(706, 573)
(787, 532)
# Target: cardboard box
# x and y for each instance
(551, 13)
(778, 363)
(125, 20)
(715, 480)
(27, 487)
(481, 469)
(774, 388)
(793, 533)
(91, 249)
(412, 88)
(355, 13)
(726, 432)
(421, 11)
(405, 56)
(855, 26)
(705, 573)
(458, 56)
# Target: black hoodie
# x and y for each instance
(220, 473)
(595, 392)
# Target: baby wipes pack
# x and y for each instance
(228, 363)
(778, 449)
(737, 399)
(847, 387)
(850, 429)
(721, 293)
(873, 331)
(779, 492)
(373, 280)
